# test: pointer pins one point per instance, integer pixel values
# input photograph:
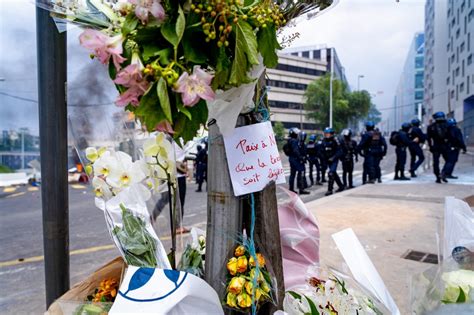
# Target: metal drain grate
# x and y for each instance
(421, 257)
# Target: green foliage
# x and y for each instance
(279, 131)
(246, 51)
(5, 169)
(347, 105)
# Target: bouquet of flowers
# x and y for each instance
(249, 284)
(330, 297)
(192, 260)
(168, 57)
(122, 187)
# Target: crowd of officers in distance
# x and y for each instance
(443, 138)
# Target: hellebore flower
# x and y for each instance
(132, 78)
(239, 251)
(232, 266)
(236, 285)
(195, 86)
(244, 300)
(144, 7)
(242, 264)
(231, 300)
(103, 46)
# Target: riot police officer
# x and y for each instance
(456, 144)
(201, 166)
(312, 149)
(349, 152)
(373, 148)
(331, 151)
(296, 161)
(403, 142)
(417, 138)
(438, 141)
(322, 160)
(304, 154)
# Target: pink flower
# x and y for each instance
(103, 46)
(195, 86)
(131, 77)
(143, 7)
(165, 126)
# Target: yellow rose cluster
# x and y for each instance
(242, 275)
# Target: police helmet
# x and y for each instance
(346, 132)
(406, 126)
(199, 147)
(439, 116)
(313, 138)
(302, 136)
(369, 125)
(294, 132)
(328, 132)
(415, 122)
(452, 122)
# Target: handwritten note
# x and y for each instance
(253, 158)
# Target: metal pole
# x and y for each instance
(22, 149)
(420, 108)
(52, 62)
(330, 87)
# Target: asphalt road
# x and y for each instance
(21, 262)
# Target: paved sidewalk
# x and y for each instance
(390, 219)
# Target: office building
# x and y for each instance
(409, 94)
(460, 75)
(288, 83)
(436, 63)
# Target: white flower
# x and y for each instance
(101, 189)
(91, 154)
(456, 280)
(105, 164)
(126, 172)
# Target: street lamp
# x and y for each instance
(360, 76)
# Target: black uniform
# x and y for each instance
(401, 151)
(349, 152)
(322, 160)
(416, 153)
(438, 141)
(332, 152)
(201, 167)
(373, 148)
(303, 154)
(313, 159)
(456, 141)
(296, 164)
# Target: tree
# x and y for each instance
(279, 131)
(347, 106)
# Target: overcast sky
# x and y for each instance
(372, 38)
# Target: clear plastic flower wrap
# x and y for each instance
(249, 278)
(328, 291)
(132, 173)
(192, 260)
(452, 281)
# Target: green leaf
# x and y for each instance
(294, 295)
(149, 112)
(186, 128)
(462, 296)
(130, 24)
(168, 31)
(180, 24)
(268, 46)
(153, 50)
(162, 90)
(312, 306)
(222, 69)
(192, 47)
(183, 109)
(245, 53)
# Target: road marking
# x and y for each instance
(33, 189)
(9, 189)
(16, 195)
(77, 186)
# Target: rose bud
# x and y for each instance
(244, 300)
(231, 300)
(242, 264)
(239, 251)
(236, 284)
(232, 266)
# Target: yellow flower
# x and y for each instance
(242, 264)
(239, 251)
(236, 284)
(231, 300)
(253, 275)
(244, 300)
(249, 287)
(232, 266)
(260, 258)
